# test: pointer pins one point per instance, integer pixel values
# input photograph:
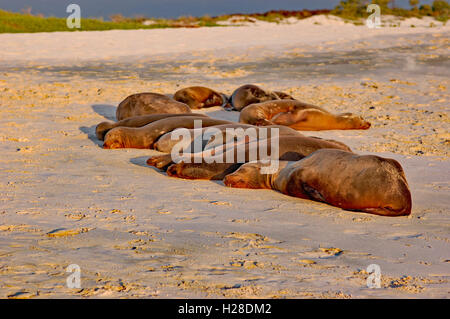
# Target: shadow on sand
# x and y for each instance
(142, 161)
(90, 131)
(106, 110)
(220, 113)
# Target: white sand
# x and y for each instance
(80, 46)
(138, 233)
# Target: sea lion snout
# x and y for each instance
(365, 124)
(240, 182)
(111, 145)
(247, 176)
(113, 139)
(359, 122)
(232, 180)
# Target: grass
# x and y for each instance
(15, 22)
(11, 22)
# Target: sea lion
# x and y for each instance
(199, 165)
(244, 136)
(166, 142)
(149, 103)
(300, 116)
(250, 94)
(198, 97)
(137, 121)
(365, 183)
(146, 136)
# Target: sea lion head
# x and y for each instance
(215, 99)
(114, 138)
(357, 122)
(102, 129)
(247, 176)
(249, 94)
(199, 96)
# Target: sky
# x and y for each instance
(168, 8)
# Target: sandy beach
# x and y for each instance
(135, 232)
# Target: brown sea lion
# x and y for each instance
(198, 97)
(200, 166)
(165, 143)
(149, 103)
(250, 94)
(248, 136)
(300, 116)
(365, 183)
(146, 136)
(137, 121)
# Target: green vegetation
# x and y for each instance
(11, 22)
(356, 9)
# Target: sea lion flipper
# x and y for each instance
(313, 193)
(160, 161)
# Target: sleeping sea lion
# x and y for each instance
(137, 121)
(250, 94)
(365, 183)
(146, 136)
(300, 116)
(198, 97)
(200, 166)
(149, 103)
(166, 142)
